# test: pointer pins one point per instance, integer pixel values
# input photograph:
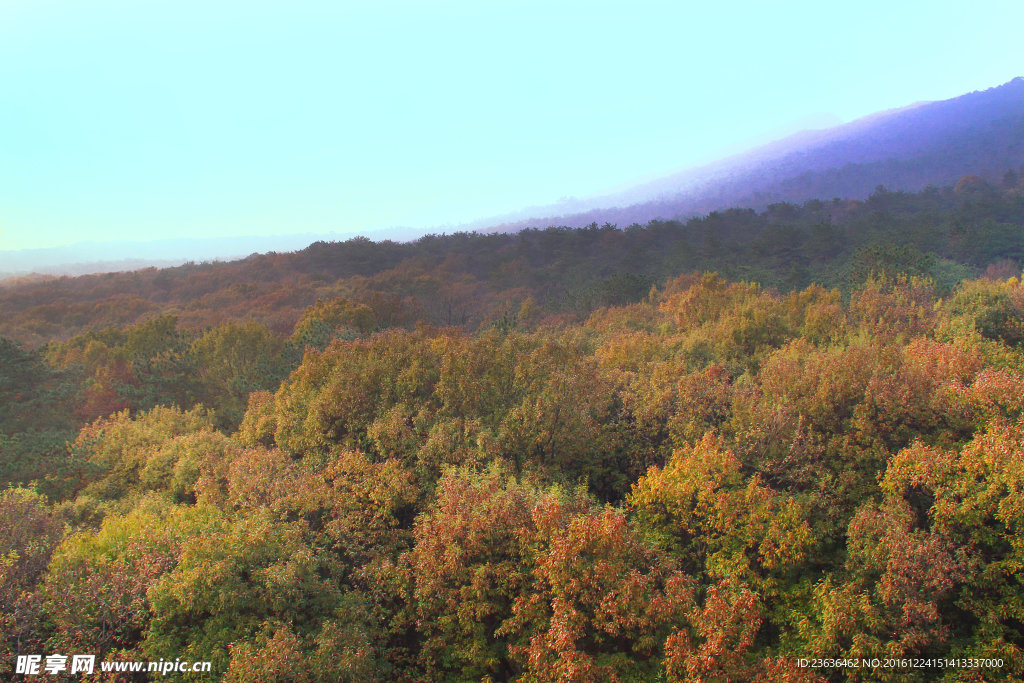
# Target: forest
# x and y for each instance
(685, 451)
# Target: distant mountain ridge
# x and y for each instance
(926, 143)
(83, 258)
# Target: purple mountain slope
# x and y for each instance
(929, 143)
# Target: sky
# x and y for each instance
(146, 119)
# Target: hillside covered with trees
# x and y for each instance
(469, 279)
(696, 451)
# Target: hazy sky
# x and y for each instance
(148, 119)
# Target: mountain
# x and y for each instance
(926, 143)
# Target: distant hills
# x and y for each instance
(83, 258)
(926, 143)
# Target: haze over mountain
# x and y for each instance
(83, 258)
(925, 143)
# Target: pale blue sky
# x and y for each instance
(151, 119)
